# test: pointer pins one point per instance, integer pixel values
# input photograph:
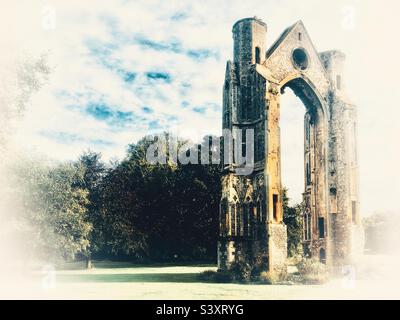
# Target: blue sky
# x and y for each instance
(132, 68)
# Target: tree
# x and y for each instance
(294, 222)
(19, 82)
(130, 209)
(94, 171)
(54, 208)
(121, 235)
(163, 211)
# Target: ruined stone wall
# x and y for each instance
(279, 62)
(346, 229)
(253, 86)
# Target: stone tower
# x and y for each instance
(251, 218)
(252, 228)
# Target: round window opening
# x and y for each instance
(300, 58)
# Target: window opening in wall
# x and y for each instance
(257, 55)
(244, 142)
(275, 206)
(321, 227)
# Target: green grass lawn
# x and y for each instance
(110, 280)
(123, 272)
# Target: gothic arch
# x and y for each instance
(316, 150)
(306, 91)
(256, 81)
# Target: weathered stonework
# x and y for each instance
(251, 217)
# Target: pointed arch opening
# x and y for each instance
(312, 147)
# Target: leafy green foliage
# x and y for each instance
(143, 211)
(173, 207)
(132, 209)
(241, 271)
(93, 171)
(54, 208)
(294, 222)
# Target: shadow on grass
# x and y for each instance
(104, 264)
(137, 277)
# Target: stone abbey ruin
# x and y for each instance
(251, 217)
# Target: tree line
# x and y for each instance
(126, 210)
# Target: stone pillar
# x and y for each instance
(277, 233)
(248, 105)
